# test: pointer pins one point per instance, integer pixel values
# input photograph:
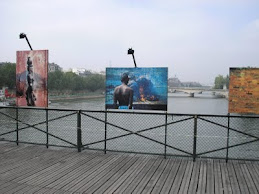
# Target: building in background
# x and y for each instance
(54, 67)
(81, 72)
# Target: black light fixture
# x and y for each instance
(22, 35)
(131, 52)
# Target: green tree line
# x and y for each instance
(57, 81)
(60, 81)
(221, 81)
(7, 75)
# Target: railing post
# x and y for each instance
(79, 131)
(105, 132)
(17, 127)
(228, 138)
(195, 137)
(165, 133)
(47, 127)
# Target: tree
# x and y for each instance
(55, 80)
(8, 75)
(221, 81)
(70, 81)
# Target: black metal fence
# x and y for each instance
(190, 135)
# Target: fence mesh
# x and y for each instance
(93, 129)
(135, 131)
(246, 131)
(32, 125)
(7, 124)
(212, 136)
(62, 127)
(180, 135)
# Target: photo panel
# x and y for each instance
(145, 87)
(31, 78)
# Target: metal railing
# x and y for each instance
(190, 135)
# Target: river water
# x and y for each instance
(209, 136)
(205, 103)
(212, 131)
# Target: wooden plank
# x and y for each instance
(240, 178)
(4, 184)
(62, 170)
(218, 178)
(170, 179)
(66, 162)
(100, 178)
(8, 188)
(256, 166)
(161, 181)
(254, 173)
(29, 167)
(80, 180)
(70, 176)
(195, 177)
(111, 177)
(14, 189)
(9, 158)
(148, 180)
(201, 188)
(135, 167)
(233, 178)
(29, 189)
(24, 158)
(7, 147)
(186, 178)
(154, 179)
(135, 174)
(36, 168)
(178, 179)
(210, 177)
(225, 178)
(249, 180)
(141, 180)
(66, 171)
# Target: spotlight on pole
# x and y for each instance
(131, 52)
(22, 35)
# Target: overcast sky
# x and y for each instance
(196, 39)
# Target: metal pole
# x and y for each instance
(228, 138)
(105, 132)
(79, 131)
(165, 133)
(47, 127)
(134, 60)
(195, 137)
(17, 127)
(28, 42)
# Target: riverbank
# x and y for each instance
(72, 97)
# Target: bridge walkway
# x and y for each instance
(36, 169)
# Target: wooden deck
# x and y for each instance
(36, 169)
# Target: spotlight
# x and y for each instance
(22, 35)
(131, 52)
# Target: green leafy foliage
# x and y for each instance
(7, 75)
(221, 81)
(60, 81)
(57, 81)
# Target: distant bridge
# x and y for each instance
(222, 93)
